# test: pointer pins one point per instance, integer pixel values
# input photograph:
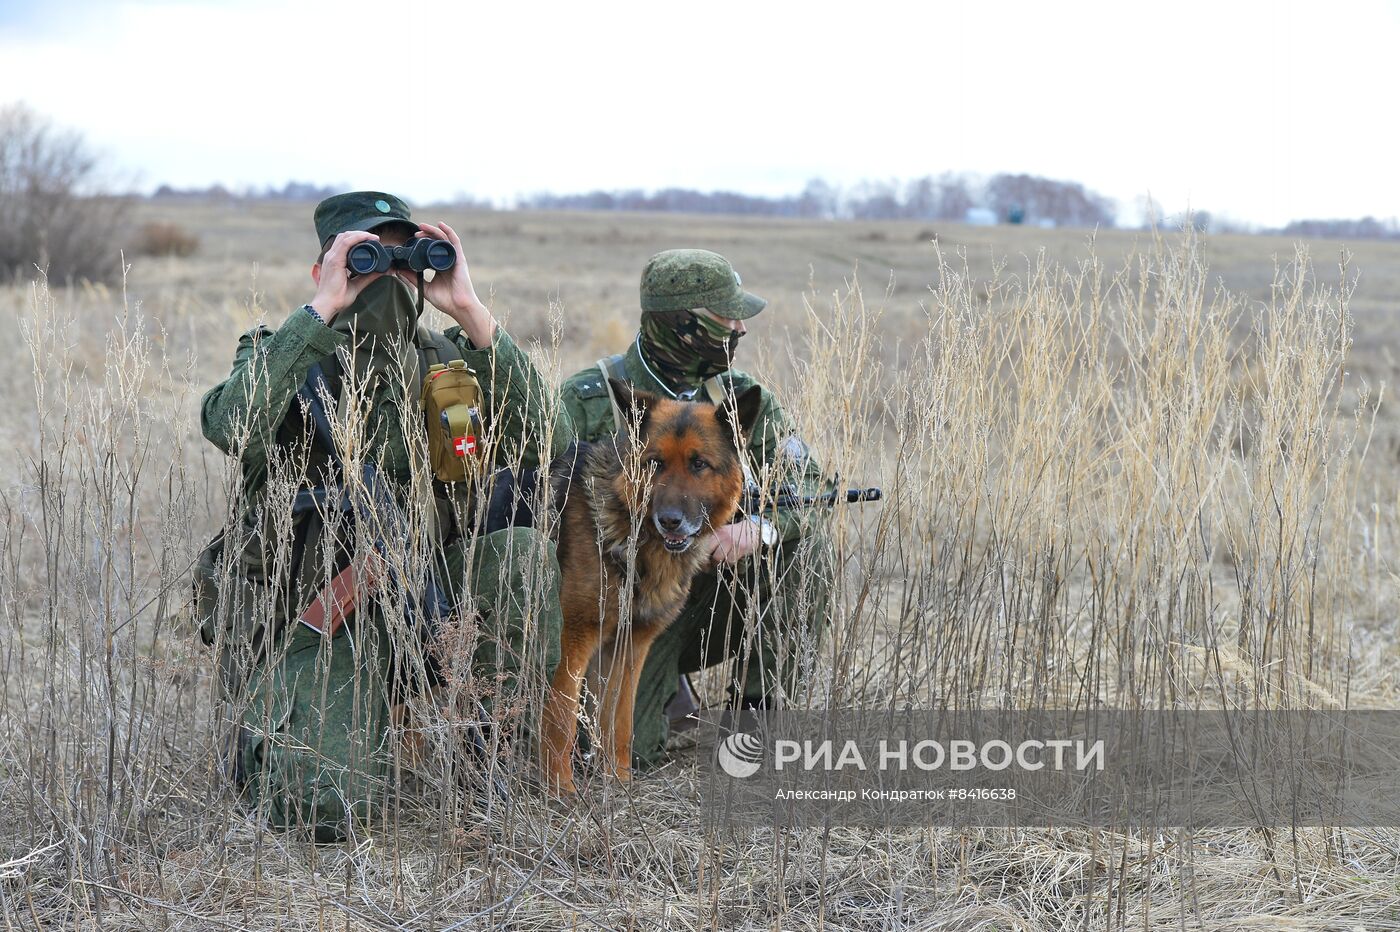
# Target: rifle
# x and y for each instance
(374, 509)
(755, 500)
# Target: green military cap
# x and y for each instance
(358, 210)
(683, 279)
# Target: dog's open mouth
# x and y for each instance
(677, 543)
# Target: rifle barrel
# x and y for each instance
(791, 500)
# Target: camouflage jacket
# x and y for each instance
(774, 448)
(250, 411)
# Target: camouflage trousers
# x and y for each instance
(317, 749)
(766, 615)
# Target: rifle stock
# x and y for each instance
(332, 605)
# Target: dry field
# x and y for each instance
(1121, 471)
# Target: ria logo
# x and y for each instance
(739, 755)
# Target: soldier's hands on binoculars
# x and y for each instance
(451, 290)
(335, 288)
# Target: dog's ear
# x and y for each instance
(633, 403)
(746, 407)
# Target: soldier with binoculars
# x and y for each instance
(312, 691)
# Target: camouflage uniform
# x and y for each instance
(768, 611)
(314, 710)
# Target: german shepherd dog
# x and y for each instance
(655, 490)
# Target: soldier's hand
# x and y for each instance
(732, 542)
(335, 289)
(452, 291)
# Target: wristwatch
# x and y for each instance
(766, 531)
(312, 311)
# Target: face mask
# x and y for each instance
(380, 321)
(716, 331)
(685, 347)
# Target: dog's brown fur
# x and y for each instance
(681, 464)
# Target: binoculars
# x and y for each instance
(417, 255)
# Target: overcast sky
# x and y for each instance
(1264, 112)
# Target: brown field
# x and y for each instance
(254, 260)
(1206, 422)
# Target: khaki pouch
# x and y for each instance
(452, 402)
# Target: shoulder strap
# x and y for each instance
(611, 367)
(427, 346)
(714, 390)
(411, 360)
(435, 346)
(718, 393)
(310, 392)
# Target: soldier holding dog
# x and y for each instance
(763, 601)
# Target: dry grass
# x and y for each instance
(1110, 481)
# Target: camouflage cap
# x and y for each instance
(683, 279)
(358, 210)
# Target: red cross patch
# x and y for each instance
(465, 446)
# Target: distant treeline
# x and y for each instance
(1365, 228)
(952, 196)
(1006, 198)
(1003, 198)
(291, 191)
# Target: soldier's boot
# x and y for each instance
(681, 710)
